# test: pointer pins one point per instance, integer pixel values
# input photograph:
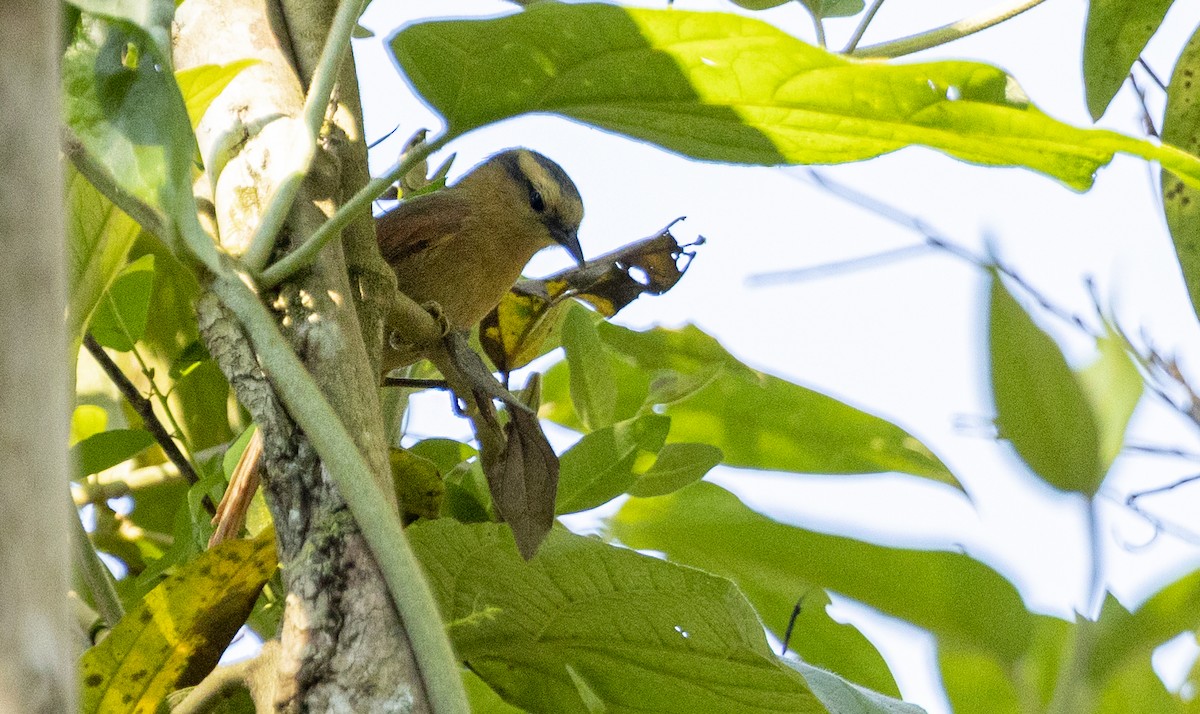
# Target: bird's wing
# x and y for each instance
(419, 225)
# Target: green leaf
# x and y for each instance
(844, 697)
(637, 633)
(600, 466)
(1181, 126)
(201, 85)
(87, 420)
(99, 238)
(192, 356)
(1117, 32)
(834, 8)
(483, 698)
(979, 682)
(677, 466)
(120, 321)
(1123, 636)
(123, 105)
(152, 16)
(948, 594)
(723, 87)
(592, 378)
(177, 634)
(1113, 386)
(756, 420)
(1040, 405)
(109, 448)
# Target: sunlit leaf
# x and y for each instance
(723, 87)
(600, 466)
(177, 634)
(1181, 126)
(640, 634)
(677, 465)
(1113, 386)
(201, 85)
(1041, 408)
(1117, 32)
(949, 594)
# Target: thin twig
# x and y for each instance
(948, 33)
(1153, 75)
(862, 27)
(303, 255)
(144, 409)
(316, 104)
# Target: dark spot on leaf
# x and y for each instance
(146, 616)
(138, 675)
(127, 698)
(93, 680)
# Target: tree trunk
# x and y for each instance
(343, 647)
(36, 652)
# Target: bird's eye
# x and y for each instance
(536, 202)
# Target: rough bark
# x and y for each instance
(343, 647)
(36, 663)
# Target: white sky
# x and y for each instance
(904, 341)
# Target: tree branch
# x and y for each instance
(948, 33)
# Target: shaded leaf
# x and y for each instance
(109, 448)
(177, 634)
(600, 466)
(640, 634)
(1117, 32)
(723, 87)
(123, 105)
(120, 319)
(523, 480)
(152, 16)
(1181, 126)
(99, 238)
(1040, 405)
(418, 485)
(949, 594)
(677, 465)
(842, 697)
(592, 379)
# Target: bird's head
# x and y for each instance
(536, 192)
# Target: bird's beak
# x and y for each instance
(570, 241)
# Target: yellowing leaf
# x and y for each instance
(175, 636)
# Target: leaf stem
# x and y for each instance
(948, 33)
(307, 252)
(144, 409)
(862, 27)
(316, 103)
(94, 573)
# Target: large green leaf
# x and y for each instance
(1181, 203)
(586, 625)
(202, 84)
(723, 87)
(591, 376)
(107, 449)
(1041, 407)
(949, 594)
(1123, 636)
(1117, 32)
(151, 16)
(756, 420)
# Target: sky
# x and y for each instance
(905, 341)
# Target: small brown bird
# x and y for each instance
(462, 247)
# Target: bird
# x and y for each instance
(462, 248)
